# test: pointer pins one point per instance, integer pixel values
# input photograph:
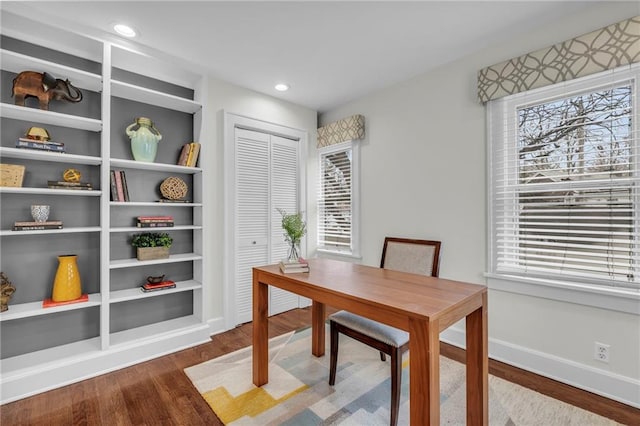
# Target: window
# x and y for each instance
(337, 199)
(564, 182)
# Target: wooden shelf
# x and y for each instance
(139, 165)
(152, 97)
(136, 293)
(72, 230)
(17, 62)
(54, 157)
(33, 309)
(49, 117)
(174, 258)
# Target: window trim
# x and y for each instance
(355, 197)
(612, 298)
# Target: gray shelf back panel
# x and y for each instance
(138, 313)
(47, 331)
(126, 278)
(151, 83)
(79, 142)
(176, 129)
(88, 107)
(31, 262)
(50, 55)
(72, 211)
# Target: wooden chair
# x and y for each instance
(400, 254)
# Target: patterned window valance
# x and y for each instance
(600, 50)
(342, 130)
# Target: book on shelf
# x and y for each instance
(167, 224)
(71, 184)
(164, 285)
(119, 188)
(40, 146)
(48, 142)
(36, 226)
(145, 218)
(166, 200)
(79, 188)
(184, 153)
(194, 152)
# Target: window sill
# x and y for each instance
(326, 253)
(615, 299)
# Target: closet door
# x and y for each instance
(267, 178)
(252, 214)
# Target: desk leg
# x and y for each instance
(478, 366)
(317, 328)
(260, 332)
(424, 371)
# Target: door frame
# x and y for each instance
(231, 121)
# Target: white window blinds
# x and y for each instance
(564, 177)
(336, 198)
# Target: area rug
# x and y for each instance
(298, 392)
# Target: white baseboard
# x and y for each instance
(605, 383)
(216, 326)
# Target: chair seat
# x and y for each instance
(382, 332)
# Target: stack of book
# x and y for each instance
(189, 154)
(60, 184)
(164, 285)
(287, 267)
(41, 145)
(36, 226)
(119, 188)
(154, 221)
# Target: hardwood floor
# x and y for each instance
(157, 392)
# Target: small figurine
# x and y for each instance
(6, 291)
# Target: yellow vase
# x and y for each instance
(66, 285)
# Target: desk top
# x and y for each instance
(384, 295)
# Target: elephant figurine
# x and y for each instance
(43, 86)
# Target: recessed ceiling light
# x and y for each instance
(281, 87)
(124, 30)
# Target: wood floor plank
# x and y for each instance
(158, 391)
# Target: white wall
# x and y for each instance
(227, 97)
(424, 176)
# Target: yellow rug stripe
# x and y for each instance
(250, 403)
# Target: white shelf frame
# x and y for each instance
(151, 204)
(50, 191)
(174, 258)
(17, 62)
(152, 97)
(137, 294)
(34, 309)
(49, 117)
(161, 167)
(70, 230)
(156, 229)
(54, 157)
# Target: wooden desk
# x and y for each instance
(423, 306)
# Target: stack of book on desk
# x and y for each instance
(154, 221)
(289, 267)
(164, 285)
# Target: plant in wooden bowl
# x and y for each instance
(152, 245)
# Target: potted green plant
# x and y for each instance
(152, 245)
(294, 228)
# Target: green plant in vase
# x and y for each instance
(294, 228)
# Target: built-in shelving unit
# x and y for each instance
(119, 325)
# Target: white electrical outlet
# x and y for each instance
(601, 352)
